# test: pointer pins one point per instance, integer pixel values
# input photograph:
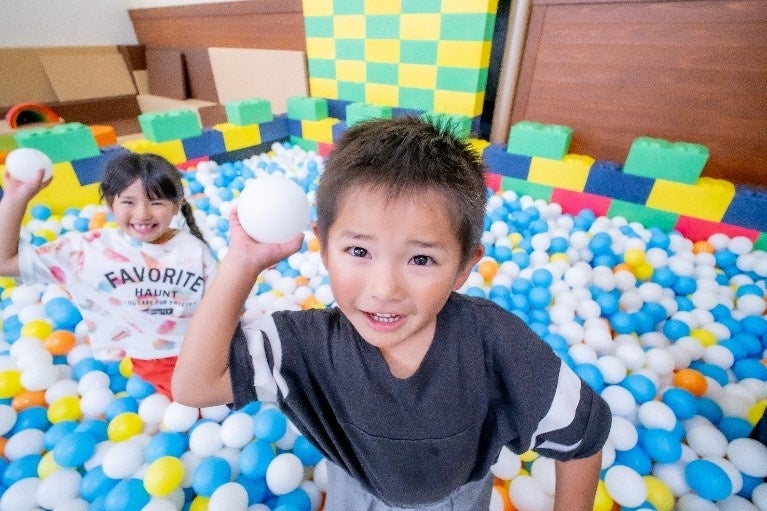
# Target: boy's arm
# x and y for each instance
(201, 377)
(16, 196)
(576, 483)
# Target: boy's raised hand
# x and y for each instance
(261, 255)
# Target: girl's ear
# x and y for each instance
(464, 273)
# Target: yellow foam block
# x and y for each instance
(707, 199)
(382, 50)
(383, 6)
(468, 54)
(349, 26)
(172, 150)
(351, 71)
(566, 174)
(320, 48)
(469, 6)
(323, 88)
(63, 192)
(317, 7)
(461, 103)
(381, 94)
(420, 76)
(238, 137)
(478, 145)
(583, 159)
(420, 26)
(319, 131)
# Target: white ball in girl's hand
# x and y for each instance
(273, 209)
(24, 162)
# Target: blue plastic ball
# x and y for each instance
(211, 473)
(635, 458)
(74, 449)
(96, 484)
(591, 375)
(21, 468)
(661, 445)
(708, 480)
(255, 458)
(166, 443)
(734, 427)
(127, 495)
(681, 401)
(641, 387)
(269, 424)
(63, 313)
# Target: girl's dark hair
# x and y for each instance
(407, 155)
(159, 177)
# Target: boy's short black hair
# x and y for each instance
(407, 155)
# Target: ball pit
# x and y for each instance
(670, 332)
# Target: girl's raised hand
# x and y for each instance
(16, 189)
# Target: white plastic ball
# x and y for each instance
(178, 417)
(657, 415)
(692, 502)
(625, 486)
(672, 474)
(707, 440)
(508, 464)
(749, 456)
(273, 209)
(152, 408)
(620, 400)
(528, 495)
(59, 486)
(623, 433)
(24, 162)
(229, 496)
(123, 459)
(237, 430)
(26, 441)
(284, 473)
(21, 495)
(94, 402)
(759, 496)
(542, 470)
(205, 439)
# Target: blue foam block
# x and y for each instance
(276, 129)
(209, 142)
(748, 208)
(338, 130)
(90, 170)
(498, 161)
(607, 178)
(337, 108)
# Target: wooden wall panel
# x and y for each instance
(694, 71)
(265, 24)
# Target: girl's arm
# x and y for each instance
(201, 377)
(16, 196)
(576, 483)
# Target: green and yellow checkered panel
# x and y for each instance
(427, 55)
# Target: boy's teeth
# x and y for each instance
(385, 317)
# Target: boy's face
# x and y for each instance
(392, 266)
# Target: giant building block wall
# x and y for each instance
(428, 55)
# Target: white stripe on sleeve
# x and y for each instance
(562, 409)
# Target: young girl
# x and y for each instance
(136, 286)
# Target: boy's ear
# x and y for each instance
(466, 271)
(323, 253)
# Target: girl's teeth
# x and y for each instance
(385, 318)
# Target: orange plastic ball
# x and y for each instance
(59, 342)
(691, 380)
(27, 398)
(702, 246)
(487, 268)
(97, 221)
(313, 245)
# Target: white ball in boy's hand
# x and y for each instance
(24, 162)
(273, 209)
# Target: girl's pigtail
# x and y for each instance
(186, 210)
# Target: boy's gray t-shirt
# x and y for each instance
(486, 381)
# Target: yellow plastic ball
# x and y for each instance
(7, 283)
(528, 456)
(126, 367)
(559, 257)
(602, 500)
(515, 238)
(10, 383)
(199, 503)
(756, 411)
(643, 271)
(658, 494)
(705, 337)
(124, 426)
(47, 465)
(163, 475)
(633, 257)
(65, 408)
(38, 328)
(46, 234)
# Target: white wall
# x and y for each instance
(64, 23)
(145, 4)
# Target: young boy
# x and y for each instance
(408, 388)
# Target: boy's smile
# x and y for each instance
(393, 263)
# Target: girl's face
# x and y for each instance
(143, 219)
